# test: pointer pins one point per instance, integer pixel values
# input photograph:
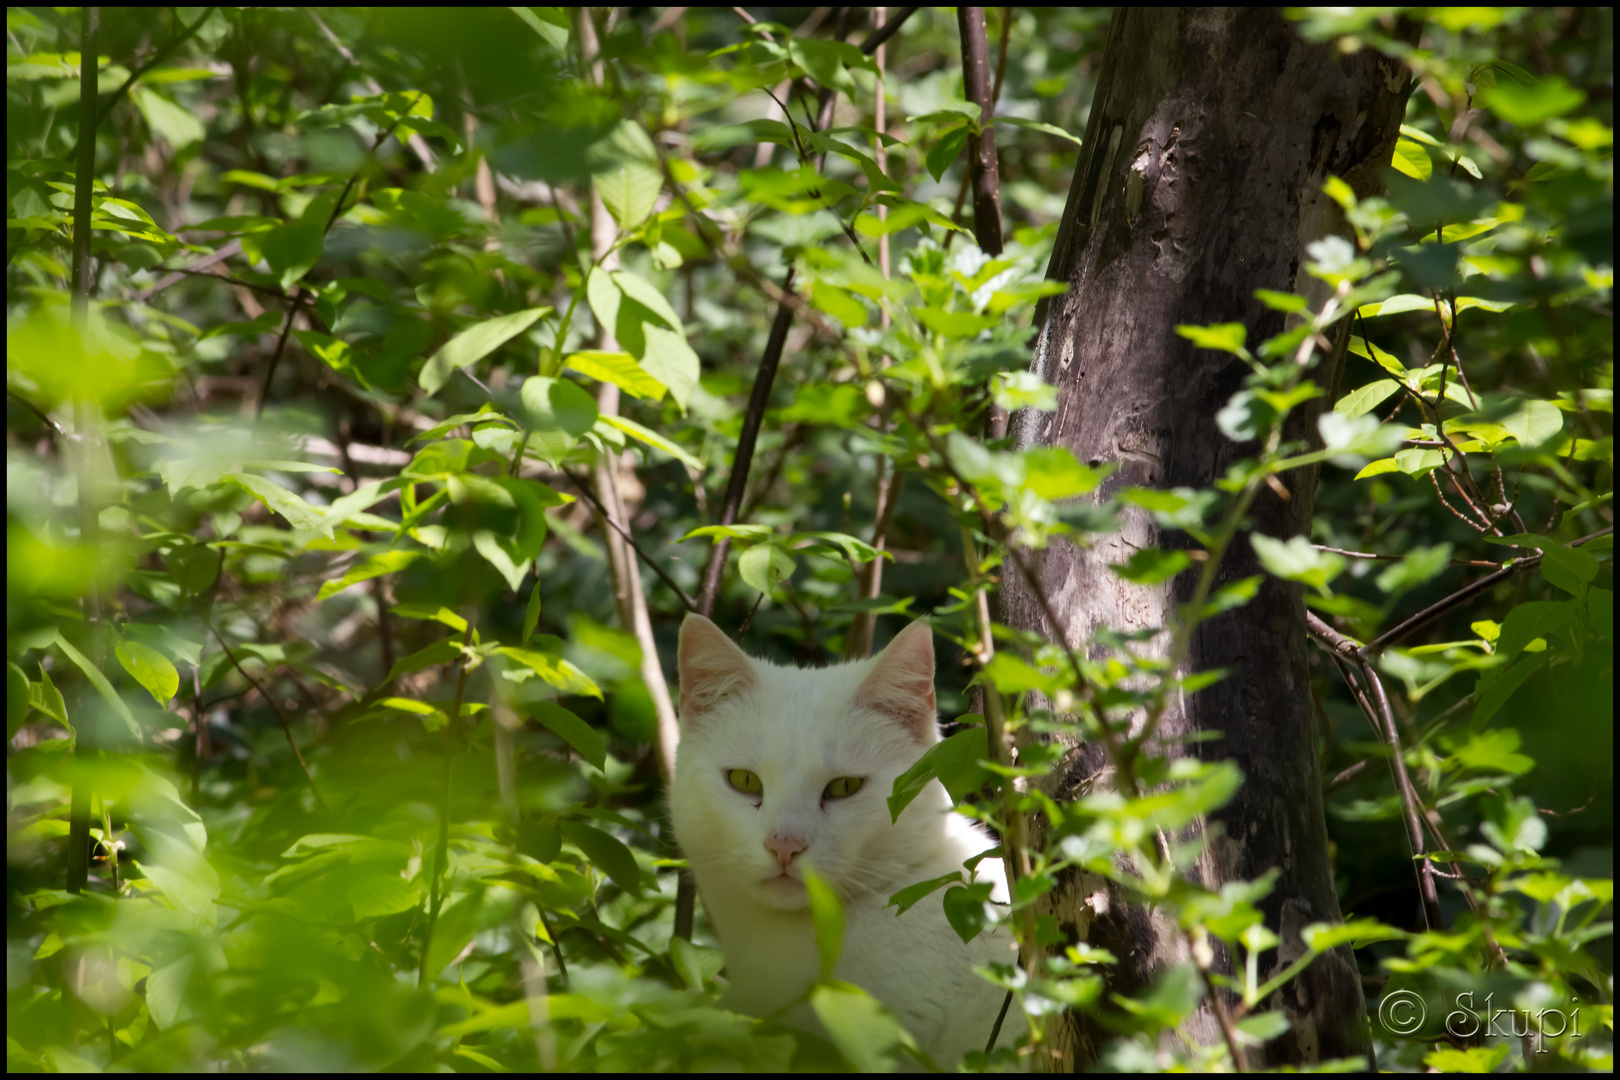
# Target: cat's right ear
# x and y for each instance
(712, 669)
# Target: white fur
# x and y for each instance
(798, 730)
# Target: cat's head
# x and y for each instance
(779, 766)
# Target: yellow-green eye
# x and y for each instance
(843, 787)
(744, 781)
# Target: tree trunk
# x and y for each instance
(1200, 181)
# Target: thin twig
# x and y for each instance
(1397, 558)
(753, 418)
(151, 62)
(286, 728)
(1484, 584)
(1375, 703)
(618, 527)
(44, 417)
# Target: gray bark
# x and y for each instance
(1200, 181)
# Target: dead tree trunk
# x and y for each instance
(1200, 181)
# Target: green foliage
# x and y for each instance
(312, 646)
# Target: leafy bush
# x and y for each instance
(380, 381)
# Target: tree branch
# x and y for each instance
(1374, 703)
(1467, 592)
(753, 418)
(983, 171)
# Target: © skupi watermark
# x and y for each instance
(1404, 1012)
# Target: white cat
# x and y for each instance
(782, 766)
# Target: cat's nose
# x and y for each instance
(785, 847)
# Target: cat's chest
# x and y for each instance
(915, 964)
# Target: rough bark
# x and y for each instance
(1210, 136)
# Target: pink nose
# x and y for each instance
(785, 848)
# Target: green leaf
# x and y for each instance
(965, 909)
(1494, 752)
(1374, 468)
(1151, 566)
(292, 249)
(908, 896)
(589, 742)
(1417, 568)
(696, 965)
(1535, 423)
(1534, 104)
(380, 893)
(606, 853)
(642, 292)
(443, 651)
(765, 566)
(555, 671)
(387, 562)
(624, 171)
(165, 993)
(431, 611)
(1053, 472)
(559, 411)
(1012, 675)
(192, 890)
(749, 533)
(1366, 398)
(865, 1032)
(531, 613)
(654, 440)
(1412, 159)
(99, 681)
(168, 121)
(956, 324)
(473, 344)
(954, 762)
(298, 513)
(1361, 347)
(151, 669)
(1296, 559)
(945, 152)
(827, 915)
(1223, 337)
(671, 361)
(1531, 620)
(839, 304)
(620, 369)
(45, 697)
(1036, 125)
(455, 928)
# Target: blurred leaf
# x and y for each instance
(590, 743)
(99, 681)
(606, 853)
(827, 914)
(864, 1031)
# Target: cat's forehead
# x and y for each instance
(794, 714)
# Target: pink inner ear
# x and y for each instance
(901, 682)
(712, 669)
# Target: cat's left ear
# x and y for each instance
(901, 682)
